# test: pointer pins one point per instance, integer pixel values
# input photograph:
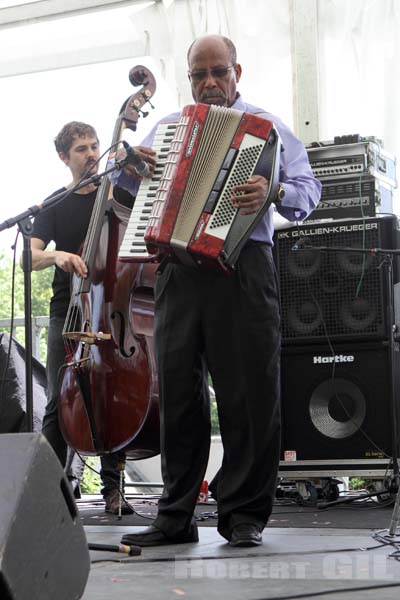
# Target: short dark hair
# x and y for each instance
(228, 43)
(64, 140)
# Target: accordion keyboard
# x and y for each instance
(133, 245)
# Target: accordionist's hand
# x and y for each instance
(250, 196)
(142, 154)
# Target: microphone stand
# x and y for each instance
(24, 223)
(392, 329)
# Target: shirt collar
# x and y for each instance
(239, 103)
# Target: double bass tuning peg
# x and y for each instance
(145, 113)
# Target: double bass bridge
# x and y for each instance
(87, 337)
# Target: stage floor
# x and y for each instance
(358, 514)
(325, 559)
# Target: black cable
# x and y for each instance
(229, 556)
(389, 540)
(294, 498)
(121, 548)
(348, 499)
(309, 510)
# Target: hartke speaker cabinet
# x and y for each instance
(337, 411)
(342, 295)
(43, 549)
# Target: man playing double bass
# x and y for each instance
(66, 224)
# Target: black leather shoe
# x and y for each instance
(246, 535)
(152, 536)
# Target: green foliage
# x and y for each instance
(214, 418)
(213, 409)
(91, 482)
(356, 483)
(41, 289)
(41, 293)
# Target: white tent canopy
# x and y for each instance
(326, 67)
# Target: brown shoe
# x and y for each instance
(112, 503)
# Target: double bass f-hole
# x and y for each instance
(121, 336)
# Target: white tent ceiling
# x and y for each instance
(326, 67)
(16, 11)
(321, 46)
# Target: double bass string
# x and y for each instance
(78, 284)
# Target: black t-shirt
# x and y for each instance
(66, 224)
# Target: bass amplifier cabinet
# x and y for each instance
(352, 198)
(333, 294)
(337, 410)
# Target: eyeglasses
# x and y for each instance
(217, 73)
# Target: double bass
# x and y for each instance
(108, 386)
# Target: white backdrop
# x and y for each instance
(358, 53)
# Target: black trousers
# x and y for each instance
(229, 326)
(50, 427)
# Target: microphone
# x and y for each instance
(141, 166)
(302, 243)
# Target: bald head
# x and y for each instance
(213, 70)
(217, 38)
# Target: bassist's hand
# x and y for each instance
(71, 263)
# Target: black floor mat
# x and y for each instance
(366, 514)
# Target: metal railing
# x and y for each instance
(38, 323)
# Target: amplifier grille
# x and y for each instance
(335, 293)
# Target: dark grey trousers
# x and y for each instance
(229, 326)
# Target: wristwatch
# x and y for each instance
(280, 194)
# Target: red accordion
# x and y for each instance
(192, 218)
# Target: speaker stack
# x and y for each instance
(339, 375)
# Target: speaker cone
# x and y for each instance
(337, 408)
